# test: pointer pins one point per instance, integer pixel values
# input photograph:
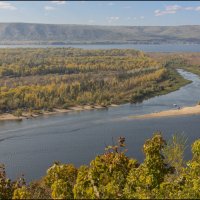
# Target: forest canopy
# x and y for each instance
(44, 79)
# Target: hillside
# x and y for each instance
(25, 33)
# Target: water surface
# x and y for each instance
(141, 47)
(31, 146)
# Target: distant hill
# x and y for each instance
(26, 33)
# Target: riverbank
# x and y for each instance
(26, 115)
(195, 110)
(180, 82)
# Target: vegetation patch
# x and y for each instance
(164, 174)
(46, 79)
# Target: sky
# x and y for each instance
(126, 13)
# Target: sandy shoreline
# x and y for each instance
(194, 110)
(25, 115)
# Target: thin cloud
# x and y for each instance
(111, 4)
(111, 20)
(59, 2)
(91, 21)
(173, 9)
(7, 6)
(127, 7)
(164, 12)
(49, 8)
(198, 8)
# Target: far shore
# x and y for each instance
(194, 110)
(26, 115)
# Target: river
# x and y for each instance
(31, 146)
(141, 47)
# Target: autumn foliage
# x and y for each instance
(43, 79)
(113, 175)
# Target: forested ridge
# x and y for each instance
(44, 79)
(164, 174)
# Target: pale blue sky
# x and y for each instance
(102, 12)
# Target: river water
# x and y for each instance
(31, 146)
(141, 47)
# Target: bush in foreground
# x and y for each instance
(113, 175)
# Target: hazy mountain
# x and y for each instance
(20, 33)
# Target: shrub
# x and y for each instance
(113, 175)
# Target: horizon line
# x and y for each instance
(98, 25)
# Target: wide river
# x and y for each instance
(31, 146)
(141, 47)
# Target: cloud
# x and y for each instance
(7, 6)
(141, 17)
(49, 8)
(91, 21)
(127, 7)
(111, 4)
(58, 2)
(198, 8)
(112, 19)
(164, 12)
(189, 8)
(172, 9)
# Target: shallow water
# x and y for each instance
(31, 146)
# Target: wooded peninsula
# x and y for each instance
(37, 80)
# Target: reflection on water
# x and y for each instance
(31, 146)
